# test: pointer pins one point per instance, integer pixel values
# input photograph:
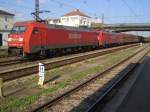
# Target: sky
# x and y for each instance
(114, 11)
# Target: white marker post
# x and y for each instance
(41, 74)
(141, 44)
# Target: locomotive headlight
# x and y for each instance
(20, 39)
(9, 39)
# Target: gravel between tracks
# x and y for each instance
(35, 62)
(80, 100)
(64, 72)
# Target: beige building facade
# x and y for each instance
(76, 18)
(6, 24)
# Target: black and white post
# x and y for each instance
(41, 74)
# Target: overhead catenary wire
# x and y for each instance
(15, 5)
(63, 4)
(71, 6)
(131, 10)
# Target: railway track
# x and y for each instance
(4, 56)
(49, 64)
(9, 62)
(86, 96)
(3, 51)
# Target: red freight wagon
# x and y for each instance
(128, 38)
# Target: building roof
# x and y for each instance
(76, 12)
(6, 13)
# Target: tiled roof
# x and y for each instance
(6, 13)
(76, 12)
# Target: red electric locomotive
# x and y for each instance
(32, 38)
(29, 38)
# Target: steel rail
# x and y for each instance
(31, 69)
(103, 99)
(9, 62)
(80, 86)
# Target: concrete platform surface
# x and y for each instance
(138, 97)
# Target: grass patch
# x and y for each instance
(16, 103)
(26, 101)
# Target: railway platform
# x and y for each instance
(3, 47)
(3, 50)
(134, 96)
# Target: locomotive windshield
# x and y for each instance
(18, 29)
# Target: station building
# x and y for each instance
(6, 24)
(74, 18)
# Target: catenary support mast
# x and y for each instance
(37, 10)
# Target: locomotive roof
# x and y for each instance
(24, 23)
(21, 23)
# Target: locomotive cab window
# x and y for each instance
(18, 29)
(35, 31)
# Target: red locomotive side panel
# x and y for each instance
(69, 38)
(53, 38)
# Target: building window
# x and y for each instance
(73, 19)
(63, 18)
(6, 19)
(6, 26)
(80, 21)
